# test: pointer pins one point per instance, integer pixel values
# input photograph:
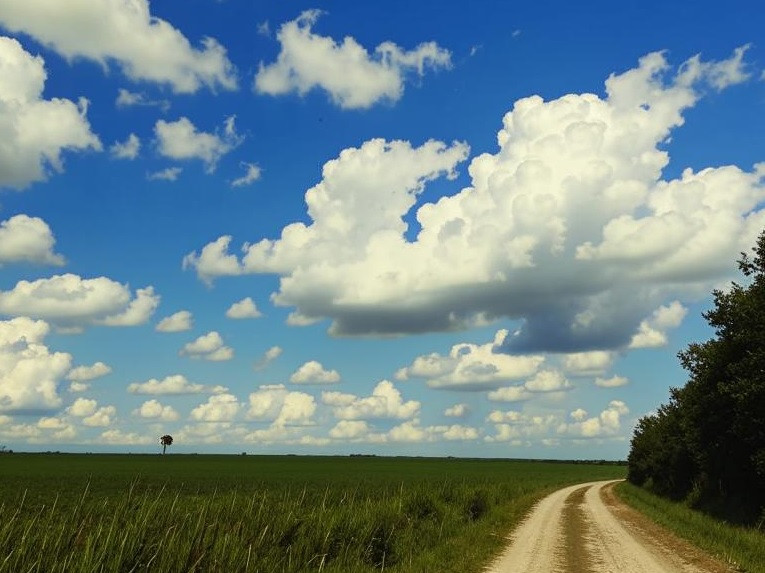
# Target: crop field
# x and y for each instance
(92, 513)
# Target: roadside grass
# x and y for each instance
(266, 514)
(743, 548)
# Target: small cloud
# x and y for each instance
(87, 373)
(312, 372)
(127, 149)
(516, 33)
(613, 382)
(252, 174)
(169, 174)
(180, 140)
(269, 356)
(264, 29)
(457, 411)
(245, 308)
(173, 385)
(126, 98)
(178, 322)
(209, 346)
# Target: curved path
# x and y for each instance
(585, 529)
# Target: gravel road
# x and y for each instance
(586, 529)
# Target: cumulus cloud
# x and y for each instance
(281, 406)
(102, 417)
(652, 332)
(613, 382)
(457, 411)
(312, 372)
(120, 437)
(471, 366)
(516, 393)
(170, 385)
(126, 98)
(345, 71)
(608, 423)
(181, 140)
(251, 174)
(27, 239)
(574, 200)
(29, 372)
(385, 402)
(35, 130)
(146, 48)
(87, 373)
(588, 363)
(209, 346)
(177, 322)
(70, 300)
(268, 357)
(218, 408)
(127, 149)
(245, 308)
(518, 427)
(154, 410)
(82, 407)
(169, 174)
(543, 382)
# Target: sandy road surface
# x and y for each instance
(586, 529)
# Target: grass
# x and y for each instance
(265, 513)
(741, 547)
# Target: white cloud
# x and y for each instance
(126, 98)
(613, 382)
(35, 130)
(471, 366)
(127, 149)
(76, 387)
(82, 407)
(385, 402)
(154, 410)
(180, 140)
(347, 72)
(245, 308)
(281, 406)
(519, 427)
(573, 200)
(268, 356)
(145, 47)
(608, 423)
(87, 373)
(516, 393)
(218, 408)
(587, 363)
(175, 384)
(349, 430)
(169, 174)
(252, 174)
(457, 411)
(547, 381)
(100, 418)
(119, 437)
(27, 239)
(69, 300)
(177, 322)
(652, 332)
(29, 372)
(312, 372)
(209, 346)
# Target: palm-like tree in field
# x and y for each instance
(166, 440)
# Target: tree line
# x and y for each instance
(707, 445)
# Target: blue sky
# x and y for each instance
(392, 228)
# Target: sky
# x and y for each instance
(401, 228)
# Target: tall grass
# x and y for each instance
(741, 547)
(397, 517)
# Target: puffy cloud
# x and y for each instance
(154, 410)
(76, 387)
(471, 366)
(349, 430)
(169, 174)
(281, 406)
(87, 373)
(457, 411)
(35, 130)
(347, 72)
(218, 408)
(385, 402)
(127, 149)
(69, 300)
(145, 47)
(175, 384)
(588, 363)
(312, 372)
(652, 331)
(27, 239)
(29, 372)
(268, 357)
(126, 98)
(82, 407)
(245, 308)
(518, 427)
(547, 381)
(102, 417)
(177, 322)
(516, 393)
(608, 423)
(209, 346)
(119, 437)
(251, 174)
(613, 382)
(573, 200)
(181, 140)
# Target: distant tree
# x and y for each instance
(709, 442)
(166, 440)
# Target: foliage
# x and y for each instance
(266, 513)
(708, 444)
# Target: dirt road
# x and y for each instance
(586, 529)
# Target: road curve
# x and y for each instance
(585, 529)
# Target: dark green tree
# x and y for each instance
(166, 440)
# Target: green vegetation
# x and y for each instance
(264, 513)
(707, 446)
(739, 546)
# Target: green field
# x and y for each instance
(266, 513)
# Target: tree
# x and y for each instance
(709, 442)
(166, 440)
